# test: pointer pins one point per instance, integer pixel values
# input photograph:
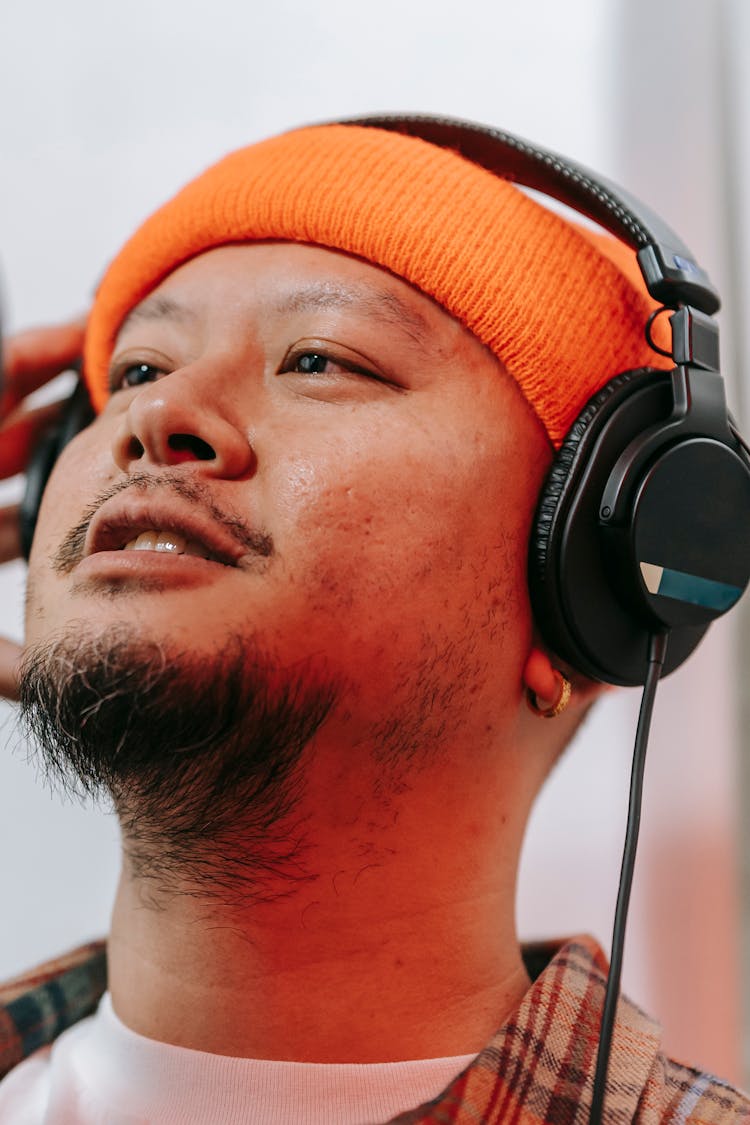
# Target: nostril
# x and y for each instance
(194, 446)
(135, 449)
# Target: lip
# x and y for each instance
(143, 568)
(124, 517)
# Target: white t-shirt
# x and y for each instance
(102, 1073)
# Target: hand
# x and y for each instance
(30, 359)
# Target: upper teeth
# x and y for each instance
(166, 541)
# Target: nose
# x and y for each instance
(176, 420)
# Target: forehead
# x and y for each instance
(283, 279)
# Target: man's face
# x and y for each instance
(355, 464)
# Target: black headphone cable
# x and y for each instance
(656, 654)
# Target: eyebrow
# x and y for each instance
(159, 308)
(380, 304)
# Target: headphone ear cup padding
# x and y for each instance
(76, 414)
(562, 471)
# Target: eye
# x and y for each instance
(125, 375)
(312, 361)
(316, 363)
(327, 369)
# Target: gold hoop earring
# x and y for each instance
(563, 699)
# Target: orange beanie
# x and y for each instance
(564, 310)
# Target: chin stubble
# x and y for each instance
(199, 757)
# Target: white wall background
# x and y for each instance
(107, 109)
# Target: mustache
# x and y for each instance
(71, 549)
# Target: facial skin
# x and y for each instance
(375, 505)
(396, 506)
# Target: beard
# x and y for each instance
(199, 757)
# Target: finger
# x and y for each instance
(10, 534)
(33, 357)
(10, 660)
(20, 433)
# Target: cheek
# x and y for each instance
(404, 536)
(409, 572)
(81, 472)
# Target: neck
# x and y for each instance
(402, 946)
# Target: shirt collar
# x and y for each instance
(539, 1066)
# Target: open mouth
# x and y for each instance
(170, 542)
(165, 525)
(139, 536)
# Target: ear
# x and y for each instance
(540, 677)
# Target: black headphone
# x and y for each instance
(643, 525)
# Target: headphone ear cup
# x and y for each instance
(581, 615)
(76, 414)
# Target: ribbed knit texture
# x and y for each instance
(563, 310)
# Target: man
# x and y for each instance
(278, 610)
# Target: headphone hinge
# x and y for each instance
(695, 339)
(698, 409)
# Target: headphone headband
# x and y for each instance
(669, 269)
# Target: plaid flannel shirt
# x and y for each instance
(538, 1067)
